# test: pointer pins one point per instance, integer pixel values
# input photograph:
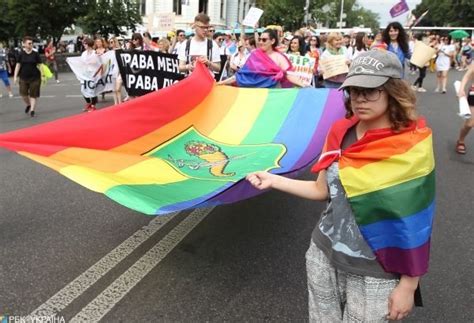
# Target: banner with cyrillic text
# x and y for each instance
(147, 71)
(97, 74)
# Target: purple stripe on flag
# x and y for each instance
(397, 260)
(333, 110)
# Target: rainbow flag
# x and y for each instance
(184, 146)
(389, 180)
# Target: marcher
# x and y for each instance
(443, 64)
(89, 57)
(4, 71)
(266, 67)
(349, 278)
(469, 123)
(29, 71)
(396, 39)
(50, 53)
(334, 47)
(199, 48)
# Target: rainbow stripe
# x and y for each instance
(136, 153)
(390, 185)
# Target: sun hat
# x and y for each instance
(372, 69)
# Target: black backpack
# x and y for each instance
(209, 50)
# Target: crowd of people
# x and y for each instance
(345, 278)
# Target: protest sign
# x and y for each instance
(161, 21)
(333, 65)
(146, 71)
(303, 67)
(252, 17)
(422, 53)
(97, 74)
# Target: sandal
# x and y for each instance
(460, 147)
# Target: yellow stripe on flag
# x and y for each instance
(238, 122)
(142, 173)
(395, 170)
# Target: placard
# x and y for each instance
(333, 65)
(252, 17)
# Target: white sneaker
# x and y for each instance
(422, 90)
(436, 90)
(57, 81)
(1, 95)
(414, 88)
(10, 95)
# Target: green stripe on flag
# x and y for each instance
(277, 106)
(394, 202)
(147, 201)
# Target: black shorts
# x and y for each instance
(30, 88)
(470, 100)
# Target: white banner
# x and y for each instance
(97, 74)
(303, 67)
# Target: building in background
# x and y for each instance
(223, 13)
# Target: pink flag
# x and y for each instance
(399, 9)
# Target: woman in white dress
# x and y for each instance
(443, 63)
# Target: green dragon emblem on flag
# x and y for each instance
(197, 156)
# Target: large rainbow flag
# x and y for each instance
(389, 180)
(185, 146)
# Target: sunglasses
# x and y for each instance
(263, 39)
(370, 95)
(181, 35)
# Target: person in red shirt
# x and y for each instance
(50, 53)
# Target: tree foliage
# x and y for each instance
(43, 19)
(446, 13)
(111, 17)
(290, 13)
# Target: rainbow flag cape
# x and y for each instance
(261, 71)
(389, 180)
(188, 145)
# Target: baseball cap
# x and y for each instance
(372, 69)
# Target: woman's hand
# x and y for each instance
(261, 180)
(402, 299)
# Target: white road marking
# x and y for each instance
(74, 289)
(103, 303)
(74, 96)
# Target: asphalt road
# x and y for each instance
(70, 251)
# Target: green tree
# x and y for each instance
(290, 13)
(7, 27)
(446, 13)
(44, 19)
(111, 17)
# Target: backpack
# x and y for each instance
(209, 50)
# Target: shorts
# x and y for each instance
(470, 100)
(30, 88)
(4, 77)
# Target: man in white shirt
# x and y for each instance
(199, 48)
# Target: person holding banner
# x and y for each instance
(199, 48)
(366, 258)
(29, 71)
(89, 57)
(469, 123)
(396, 39)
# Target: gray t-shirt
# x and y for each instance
(337, 233)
